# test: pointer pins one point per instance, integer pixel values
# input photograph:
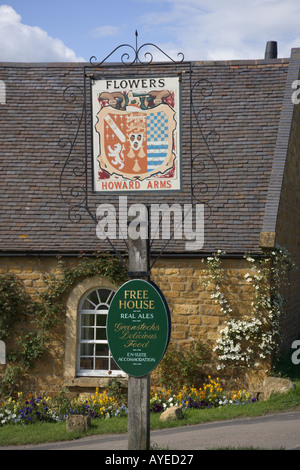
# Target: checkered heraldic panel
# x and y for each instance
(157, 139)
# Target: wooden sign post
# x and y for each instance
(139, 387)
(138, 333)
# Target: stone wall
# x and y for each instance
(288, 231)
(48, 371)
(194, 314)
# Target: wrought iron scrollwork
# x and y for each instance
(204, 189)
(137, 56)
(72, 185)
(73, 182)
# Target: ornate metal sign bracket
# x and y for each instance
(134, 56)
(75, 184)
(203, 161)
(74, 180)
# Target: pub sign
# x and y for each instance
(138, 327)
(136, 134)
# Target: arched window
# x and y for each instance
(86, 354)
(93, 354)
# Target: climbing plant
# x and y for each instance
(247, 340)
(26, 321)
(12, 301)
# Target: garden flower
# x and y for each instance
(102, 406)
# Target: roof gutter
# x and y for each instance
(185, 255)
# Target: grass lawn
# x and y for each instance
(49, 432)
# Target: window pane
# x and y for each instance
(100, 333)
(86, 349)
(101, 320)
(106, 295)
(87, 333)
(101, 350)
(87, 319)
(89, 304)
(101, 363)
(86, 363)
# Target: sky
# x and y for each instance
(75, 30)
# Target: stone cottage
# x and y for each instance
(239, 148)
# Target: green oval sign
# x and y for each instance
(138, 327)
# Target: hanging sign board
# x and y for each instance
(138, 327)
(136, 134)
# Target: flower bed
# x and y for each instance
(209, 396)
(101, 405)
(31, 410)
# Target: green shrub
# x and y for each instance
(184, 367)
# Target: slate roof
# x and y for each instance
(251, 107)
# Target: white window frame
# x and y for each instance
(100, 309)
(69, 373)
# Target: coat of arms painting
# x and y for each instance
(136, 134)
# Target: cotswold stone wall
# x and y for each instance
(288, 232)
(194, 314)
(46, 377)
